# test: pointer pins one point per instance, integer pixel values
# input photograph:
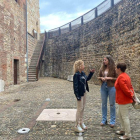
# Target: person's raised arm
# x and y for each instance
(90, 74)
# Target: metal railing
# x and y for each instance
(39, 62)
(92, 14)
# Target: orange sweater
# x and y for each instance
(123, 89)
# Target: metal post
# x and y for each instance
(112, 3)
(59, 31)
(96, 12)
(26, 41)
(48, 34)
(70, 26)
(45, 35)
(82, 22)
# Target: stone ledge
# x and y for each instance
(70, 78)
(2, 84)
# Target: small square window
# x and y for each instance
(16, 0)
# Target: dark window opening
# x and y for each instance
(16, 71)
(16, 0)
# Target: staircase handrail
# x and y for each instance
(40, 57)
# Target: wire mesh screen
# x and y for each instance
(89, 16)
(76, 23)
(116, 1)
(104, 7)
(64, 29)
(53, 33)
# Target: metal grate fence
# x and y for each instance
(92, 14)
(89, 16)
(103, 7)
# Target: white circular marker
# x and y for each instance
(23, 130)
(48, 99)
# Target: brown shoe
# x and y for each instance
(103, 124)
(120, 132)
(112, 125)
(124, 137)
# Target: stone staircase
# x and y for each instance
(34, 59)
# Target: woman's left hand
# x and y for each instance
(92, 70)
(108, 78)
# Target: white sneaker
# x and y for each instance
(78, 129)
(83, 126)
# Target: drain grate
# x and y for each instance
(58, 113)
(16, 100)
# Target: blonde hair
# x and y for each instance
(77, 65)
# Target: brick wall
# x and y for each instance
(116, 32)
(13, 37)
(33, 16)
(12, 40)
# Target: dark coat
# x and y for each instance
(80, 84)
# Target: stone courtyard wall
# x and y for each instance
(115, 32)
(33, 17)
(12, 40)
(13, 37)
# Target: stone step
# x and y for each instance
(33, 63)
(38, 47)
(31, 68)
(33, 58)
(36, 55)
(32, 73)
(31, 76)
(31, 80)
(37, 52)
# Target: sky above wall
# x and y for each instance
(55, 13)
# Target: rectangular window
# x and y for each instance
(16, 71)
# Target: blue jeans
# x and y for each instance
(105, 92)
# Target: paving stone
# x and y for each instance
(33, 95)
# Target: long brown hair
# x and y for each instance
(111, 67)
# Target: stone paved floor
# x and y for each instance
(15, 114)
